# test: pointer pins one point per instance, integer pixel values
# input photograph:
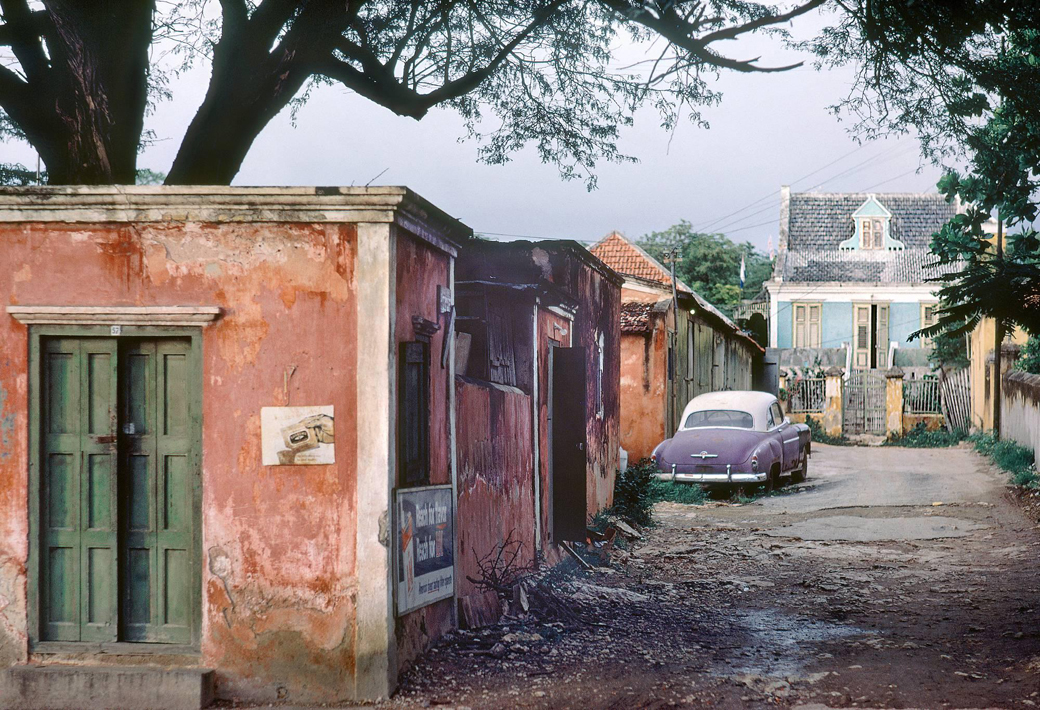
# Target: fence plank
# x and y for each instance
(956, 400)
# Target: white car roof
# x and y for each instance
(754, 403)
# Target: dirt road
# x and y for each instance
(892, 578)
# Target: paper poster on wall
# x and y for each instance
(297, 436)
(424, 539)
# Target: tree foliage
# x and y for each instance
(547, 73)
(965, 76)
(710, 263)
(1029, 358)
(949, 351)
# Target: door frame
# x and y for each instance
(36, 334)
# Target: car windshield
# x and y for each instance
(720, 417)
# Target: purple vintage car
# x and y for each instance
(735, 438)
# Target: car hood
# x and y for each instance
(732, 446)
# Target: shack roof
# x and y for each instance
(636, 316)
(525, 262)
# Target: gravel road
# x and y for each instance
(892, 578)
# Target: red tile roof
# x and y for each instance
(626, 258)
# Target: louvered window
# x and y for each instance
(927, 321)
(414, 414)
(807, 325)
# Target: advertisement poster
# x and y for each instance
(424, 536)
(297, 436)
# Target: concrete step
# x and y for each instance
(105, 688)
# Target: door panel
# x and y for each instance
(569, 457)
(78, 490)
(157, 431)
(173, 493)
(861, 337)
(881, 337)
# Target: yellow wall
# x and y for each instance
(980, 349)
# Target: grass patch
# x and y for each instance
(819, 435)
(688, 493)
(920, 437)
(1017, 460)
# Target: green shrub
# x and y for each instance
(822, 437)
(1011, 457)
(921, 438)
(1029, 358)
(634, 493)
(1015, 459)
(983, 443)
(1026, 477)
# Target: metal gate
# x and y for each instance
(864, 406)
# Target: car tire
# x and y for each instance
(772, 482)
(800, 474)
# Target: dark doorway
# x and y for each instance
(567, 442)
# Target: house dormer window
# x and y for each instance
(872, 223)
(871, 234)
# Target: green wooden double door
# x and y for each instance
(118, 429)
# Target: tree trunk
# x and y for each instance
(96, 91)
(251, 84)
(239, 104)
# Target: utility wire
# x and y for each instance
(704, 225)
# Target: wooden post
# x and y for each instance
(673, 414)
(999, 338)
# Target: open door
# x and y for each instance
(568, 437)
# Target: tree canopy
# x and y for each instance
(710, 263)
(964, 75)
(80, 77)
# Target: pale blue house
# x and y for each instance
(852, 272)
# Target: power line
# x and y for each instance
(883, 157)
(705, 225)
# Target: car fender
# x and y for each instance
(776, 454)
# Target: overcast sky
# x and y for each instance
(770, 130)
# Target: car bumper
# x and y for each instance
(730, 477)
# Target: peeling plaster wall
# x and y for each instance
(643, 389)
(599, 313)
(420, 270)
(496, 489)
(1020, 410)
(279, 585)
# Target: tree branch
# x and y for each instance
(24, 29)
(765, 21)
(377, 83)
(680, 33)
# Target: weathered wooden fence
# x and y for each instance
(922, 396)
(956, 400)
(808, 395)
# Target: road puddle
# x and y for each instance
(776, 644)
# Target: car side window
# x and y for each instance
(770, 422)
(776, 415)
